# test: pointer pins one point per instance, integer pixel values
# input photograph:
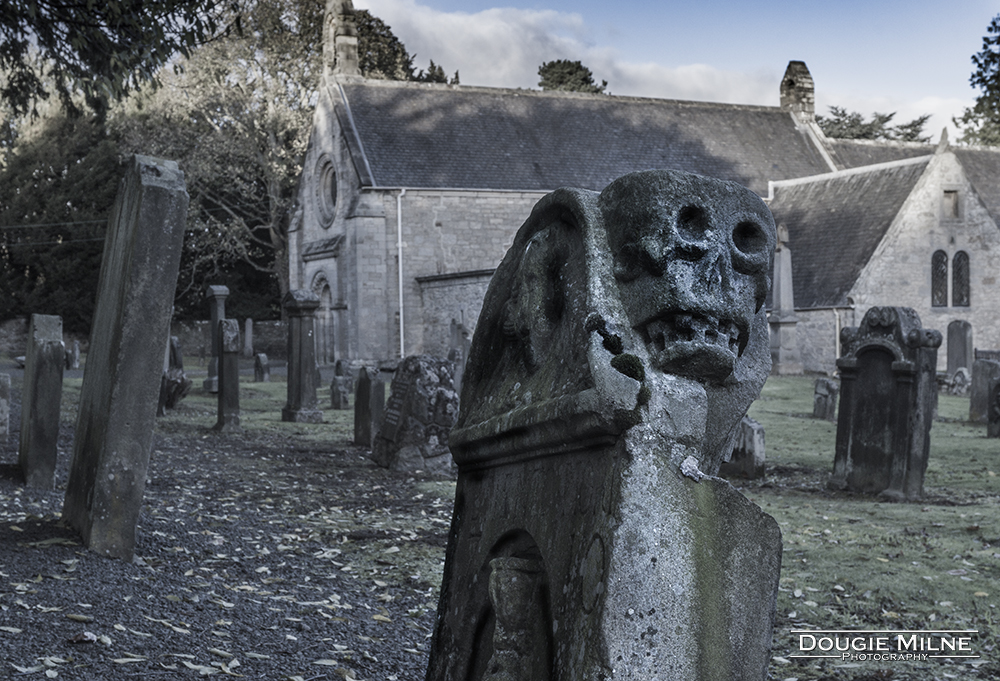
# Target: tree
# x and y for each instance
(383, 56)
(981, 123)
(100, 49)
(843, 124)
(563, 74)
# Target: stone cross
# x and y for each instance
(121, 381)
(4, 408)
(261, 368)
(40, 399)
(300, 306)
(216, 298)
(369, 401)
(620, 343)
(984, 373)
(229, 376)
(888, 393)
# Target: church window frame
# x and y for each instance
(939, 279)
(961, 295)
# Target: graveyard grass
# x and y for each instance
(282, 552)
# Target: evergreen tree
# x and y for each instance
(563, 74)
(844, 124)
(981, 123)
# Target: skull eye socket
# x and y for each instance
(750, 239)
(692, 223)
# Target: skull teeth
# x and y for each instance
(687, 327)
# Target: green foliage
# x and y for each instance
(981, 123)
(102, 49)
(563, 74)
(843, 124)
(383, 56)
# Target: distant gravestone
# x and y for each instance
(135, 294)
(261, 368)
(888, 392)
(40, 399)
(785, 358)
(825, 392)
(960, 382)
(369, 401)
(984, 373)
(175, 384)
(341, 387)
(748, 458)
(993, 417)
(300, 306)
(73, 356)
(4, 408)
(248, 338)
(458, 351)
(960, 351)
(418, 417)
(176, 357)
(229, 376)
(215, 296)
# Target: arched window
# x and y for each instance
(960, 280)
(939, 279)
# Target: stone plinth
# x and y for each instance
(621, 341)
(300, 306)
(121, 380)
(888, 392)
(215, 296)
(40, 399)
(229, 376)
(369, 401)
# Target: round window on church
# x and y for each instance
(326, 190)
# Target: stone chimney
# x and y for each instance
(340, 40)
(798, 94)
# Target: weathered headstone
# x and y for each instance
(261, 368)
(369, 401)
(4, 408)
(748, 458)
(783, 320)
(229, 376)
(135, 297)
(216, 298)
(960, 349)
(40, 400)
(993, 415)
(620, 343)
(300, 306)
(888, 392)
(176, 360)
(175, 384)
(418, 418)
(825, 392)
(248, 338)
(341, 386)
(73, 356)
(458, 351)
(984, 373)
(960, 382)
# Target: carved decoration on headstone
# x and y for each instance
(985, 371)
(620, 343)
(40, 400)
(888, 393)
(369, 401)
(748, 458)
(825, 392)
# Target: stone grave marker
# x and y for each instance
(4, 408)
(73, 356)
(261, 368)
(418, 418)
(135, 296)
(229, 376)
(369, 401)
(888, 393)
(248, 338)
(748, 457)
(783, 320)
(960, 382)
(300, 306)
(40, 400)
(215, 296)
(825, 392)
(960, 350)
(621, 341)
(341, 386)
(984, 373)
(176, 385)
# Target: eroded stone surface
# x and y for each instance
(303, 380)
(369, 402)
(825, 393)
(40, 399)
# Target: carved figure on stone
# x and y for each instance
(621, 341)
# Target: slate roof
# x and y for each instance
(982, 167)
(434, 136)
(856, 153)
(835, 222)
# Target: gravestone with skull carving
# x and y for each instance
(621, 341)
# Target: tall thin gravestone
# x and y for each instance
(300, 306)
(959, 346)
(261, 368)
(216, 297)
(984, 373)
(248, 338)
(369, 401)
(888, 391)
(341, 386)
(229, 376)
(4, 408)
(825, 392)
(40, 398)
(605, 382)
(121, 381)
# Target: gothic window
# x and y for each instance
(949, 205)
(939, 279)
(960, 280)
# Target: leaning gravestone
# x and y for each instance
(261, 368)
(620, 343)
(825, 392)
(300, 306)
(229, 376)
(216, 298)
(748, 457)
(888, 392)
(418, 418)
(369, 401)
(4, 408)
(121, 381)
(984, 373)
(40, 398)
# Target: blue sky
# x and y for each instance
(911, 57)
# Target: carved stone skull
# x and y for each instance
(691, 258)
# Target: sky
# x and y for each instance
(910, 57)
